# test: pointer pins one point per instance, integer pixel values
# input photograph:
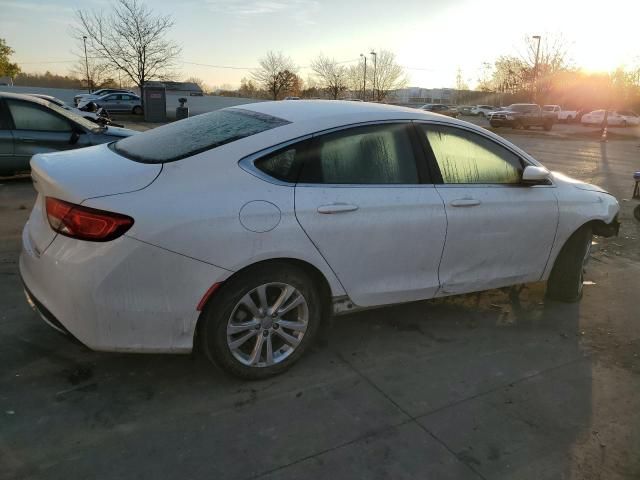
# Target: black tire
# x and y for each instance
(137, 110)
(481, 114)
(569, 119)
(527, 127)
(494, 125)
(217, 313)
(517, 125)
(636, 212)
(565, 281)
(624, 124)
(548, 126)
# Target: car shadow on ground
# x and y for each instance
(494, 383)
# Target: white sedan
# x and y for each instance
(614, 119)
(245, 228)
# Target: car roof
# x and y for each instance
(23, 96)
(335, 111)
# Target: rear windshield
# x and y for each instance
(194, 135)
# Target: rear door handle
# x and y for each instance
(465, 202)
(337, 208)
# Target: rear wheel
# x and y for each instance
(137, 110)
(262, 321)
(567, 275)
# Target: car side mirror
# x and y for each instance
(534, 175)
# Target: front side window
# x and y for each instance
(27, 116)
(377, 154)
(464, 157)
(195, 135)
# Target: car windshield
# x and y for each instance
(71, 115)
(194, 135)
(548, 108)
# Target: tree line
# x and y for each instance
(545, 74)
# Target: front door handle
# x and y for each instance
(465, 202)
(26, 140)
(337, 208)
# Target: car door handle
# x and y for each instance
(337, 208)
(465, 202)
(26, 140)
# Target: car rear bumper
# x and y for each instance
(123, 295)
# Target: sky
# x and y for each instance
(432, 39)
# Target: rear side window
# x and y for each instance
(378, 154)
(195, 135)
(281, 165)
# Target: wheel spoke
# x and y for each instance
(239, 342)
(234, 328)
(269, 359)
(262, 297)
(292, 304)
(290, 339)
(286, 293)
(257, 351)
(248, 302)
(295, 326)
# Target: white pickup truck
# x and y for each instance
(563, 115)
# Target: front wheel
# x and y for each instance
(137, 110)
(261, 322)
(567, 276)
(548, 126)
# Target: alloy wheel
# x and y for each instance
(267, 324)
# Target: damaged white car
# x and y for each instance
(245, 228)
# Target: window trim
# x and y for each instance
(425, 176)
(12, 124)
(433, 164)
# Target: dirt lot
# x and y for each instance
(496, 385)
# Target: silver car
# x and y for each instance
(83, 98)
(120, 102)
(30, 125)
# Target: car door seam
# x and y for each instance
(295, 212)
(555, 235)
(444, 243)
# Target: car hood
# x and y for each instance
(564, 179)
(118, 132)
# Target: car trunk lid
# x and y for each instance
(78, 175)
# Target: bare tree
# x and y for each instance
(131, 39)
(331, 75)
(388, 75)
(355, 79)
(277, 74)
(100, 73)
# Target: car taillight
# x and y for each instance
(85, 223)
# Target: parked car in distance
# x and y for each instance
(561, 114)
(482, 110)
(441, 109)
(632, 118)
(241, 235)
(30, 125)
(120, 103)
(614, 119)
(465, 110)
(86, 97)
(523, 115)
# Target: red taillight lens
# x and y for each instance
(85, 223)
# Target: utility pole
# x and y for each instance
(535, 69)
(375, 71)
(364, 79)
(86, 62)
